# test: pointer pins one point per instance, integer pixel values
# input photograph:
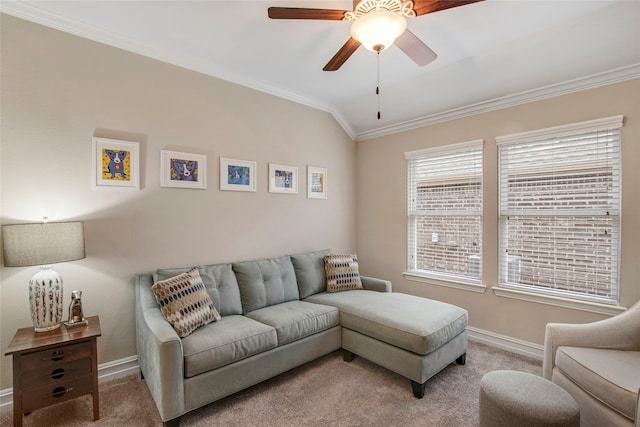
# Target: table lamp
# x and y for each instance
(43, 244)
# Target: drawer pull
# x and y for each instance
(56, 374)
(56, 356)
(60, 391)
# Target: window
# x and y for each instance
(445, 212)
(560, 210)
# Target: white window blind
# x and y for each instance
(560, 210)
(445, 211)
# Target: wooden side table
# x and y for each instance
(54, 366)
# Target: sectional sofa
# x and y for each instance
(272, 315)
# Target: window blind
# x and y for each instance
(559, 209)
(445, 210)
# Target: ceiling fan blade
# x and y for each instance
(302, 13)
(342, 55)
(422, 7)
(415, 49)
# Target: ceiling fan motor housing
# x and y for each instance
(405, 8)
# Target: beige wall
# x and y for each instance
(59, 90)
(382, 206)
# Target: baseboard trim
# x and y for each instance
(129, 365)
(106, 372)
(507, 343)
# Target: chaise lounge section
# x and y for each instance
(275, 315)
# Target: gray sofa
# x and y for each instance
(277, 315)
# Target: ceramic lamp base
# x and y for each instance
(45, 299)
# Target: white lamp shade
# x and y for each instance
(42, 244)
(378, 30)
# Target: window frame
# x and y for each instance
(548, 295)
(434, 277)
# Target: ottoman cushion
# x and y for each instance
(510, 398)
(417, 324)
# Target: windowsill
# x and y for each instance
(593, 307)
(457, 283)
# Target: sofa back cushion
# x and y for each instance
(265, 282)
(220, 282)
(309, 268)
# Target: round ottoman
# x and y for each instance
(510, 398)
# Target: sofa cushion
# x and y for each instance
(611, 376)
(184, 302)
(220, 282)
(413, 323)
(265, 282)
(297, 319)
(231, 339)
(342, 273)
(310, 274)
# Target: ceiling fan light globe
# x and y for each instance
(378, 28)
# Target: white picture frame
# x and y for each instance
(316, 182)
(116, 163)
(238, 175)
(283, 179)
(183, 170)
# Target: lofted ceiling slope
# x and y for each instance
(491, 54)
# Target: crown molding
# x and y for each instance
(577, 85)
(39, 16)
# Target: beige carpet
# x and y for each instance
(325, 392)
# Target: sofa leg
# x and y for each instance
(418, 389)
(347, 356)
(462, 359)
(172, 423)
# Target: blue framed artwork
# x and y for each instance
(237, 175)
(116, 163)
(183, 170)
(283, 179)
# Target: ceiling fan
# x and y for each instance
(377, 24)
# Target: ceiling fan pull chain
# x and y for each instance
(378, 83)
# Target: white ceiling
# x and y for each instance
(490, 54)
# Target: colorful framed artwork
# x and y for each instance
(237, 175)
(116, 163)
(316, 182)
(283, 179)
(183, 170)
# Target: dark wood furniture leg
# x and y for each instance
(347, 356)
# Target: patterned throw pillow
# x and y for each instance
(184, 302)
(342, 273)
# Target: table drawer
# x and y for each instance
(54, 392)
(62, 371)
(55, 356)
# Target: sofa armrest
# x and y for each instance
(160, 354)
(621, 332)
(638, 409)
(373, 284)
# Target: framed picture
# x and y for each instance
(316, 182)
(237, 175)
(116, 163)
(183, 170)
(283, 179)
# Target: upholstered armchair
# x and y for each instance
(599, 365)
